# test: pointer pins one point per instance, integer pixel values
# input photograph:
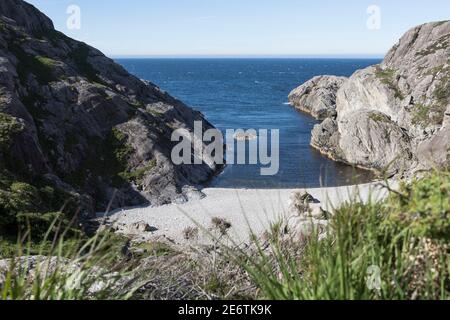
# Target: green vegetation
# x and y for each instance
(90, 268)
(9, 126)
(424, 207)
(421, 115)
(405, 239)
(442, 92)
(152, 249)
(109, 160)
(387, 77)
(155, 113)
(80, 56)
(441, 44)
(49, 63)
(379, 117)
(426, 115)
(23, 204)
(138, 174)
(40, 67)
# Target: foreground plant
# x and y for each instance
(397, 249)
(69, 270)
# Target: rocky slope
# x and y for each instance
(317, 96)
(75, 124)
(395, 117)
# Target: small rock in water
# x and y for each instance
(245, 136)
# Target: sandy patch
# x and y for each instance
(245, 209)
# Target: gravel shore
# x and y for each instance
(244, 209)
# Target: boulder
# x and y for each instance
(83, 120)
(299, 228)
(317, 96)
(392, 117)
(137, 228)
(300, 201)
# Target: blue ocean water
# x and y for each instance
(252, 93)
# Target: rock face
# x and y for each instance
(73, 120)
(394, 117)
(317, 96)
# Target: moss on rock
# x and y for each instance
(387, 77)
(9, 126)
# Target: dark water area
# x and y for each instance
(252, 93)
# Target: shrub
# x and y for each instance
(72, 270)
(404, 241)
(424, 206)
(37, 203)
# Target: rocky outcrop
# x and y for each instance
(317, 96)
(307, 217)
(393, 117)
(72, 120)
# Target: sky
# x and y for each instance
(184, 28)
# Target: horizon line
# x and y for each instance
(249, 56)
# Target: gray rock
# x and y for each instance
(300, 229)
(370, 139)
(96, 129)
(394, 117)
(137, 228)
(325, 138)
(299, 202)
(25, 15)
(317, 96)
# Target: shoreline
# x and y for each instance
(247, 210)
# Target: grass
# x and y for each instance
(379, 117)
(41, 67)
(36, 203)
(46, 61)
(395, 250)
(428, 115)
(62, 269)
(9, 126)
(138, 174)
(387, 77)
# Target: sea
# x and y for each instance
(245, 93)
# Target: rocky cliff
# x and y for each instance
(395, 117)
(317, 96)
(75, 124)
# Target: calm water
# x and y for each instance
(252, 93)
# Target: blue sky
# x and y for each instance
(242, 27)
